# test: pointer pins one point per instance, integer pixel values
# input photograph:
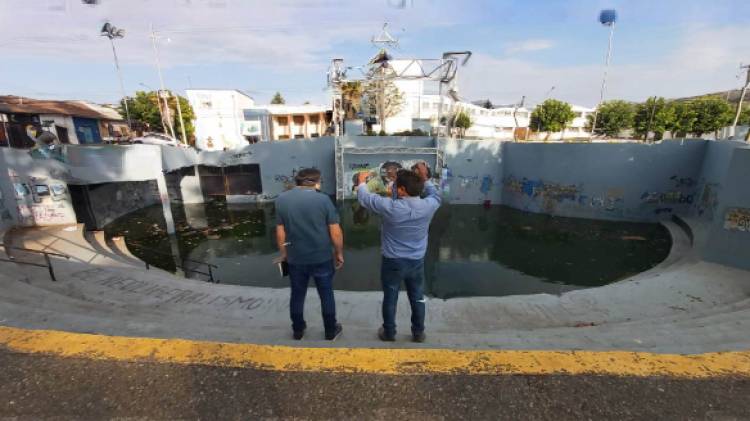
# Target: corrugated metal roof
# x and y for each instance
(21, 105)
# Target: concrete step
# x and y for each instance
(120, 248)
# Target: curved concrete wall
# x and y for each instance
(699, 179)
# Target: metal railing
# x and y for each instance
(46, 254)
(210, 266)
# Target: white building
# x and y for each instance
(421, 107)
(284, 122)
(219, 117)
(230, 119)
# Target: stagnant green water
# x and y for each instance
(473, 251)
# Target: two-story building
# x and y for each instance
(73, 122)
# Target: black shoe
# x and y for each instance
(335, 334)
(385, 338)
(418, 337)
(298, 334)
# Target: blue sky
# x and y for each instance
(51, 48)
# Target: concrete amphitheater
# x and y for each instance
(696, 301)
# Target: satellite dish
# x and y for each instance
(608, 17)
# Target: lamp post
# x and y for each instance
(112, 32)
(607, 17)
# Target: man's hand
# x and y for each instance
(338, 260)
(280, 258)
(422, 171)
(362, 177)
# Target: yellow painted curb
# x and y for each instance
(374, 361)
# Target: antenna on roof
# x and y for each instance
(385, 39)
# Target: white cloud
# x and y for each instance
(528, 45)
(706, 60)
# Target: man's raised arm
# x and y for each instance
(431, 192)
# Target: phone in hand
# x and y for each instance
(283, 269)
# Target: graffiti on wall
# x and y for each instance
(612, 200)
(682, 192)
(41, 201)
(737, 219)
(709, 200)
(550, 194)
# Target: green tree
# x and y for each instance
(552, 116)
(351, 92)
(684, 119)
(653, 116)
(278, 99)
(613, 117)
(462, 121)
(711, 114)
(145, 112)
(745, 116)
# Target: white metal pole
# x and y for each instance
(122, 85)
(167, 116)
(742, 98)
(604, 79)
(182, 122)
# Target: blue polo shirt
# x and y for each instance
(406, 221)
(306, 215)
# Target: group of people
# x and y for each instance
(311, 243)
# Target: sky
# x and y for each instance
(671, 48)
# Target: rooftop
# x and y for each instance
(23, 105)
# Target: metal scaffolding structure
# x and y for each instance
(441, 70)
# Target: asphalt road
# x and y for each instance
(44, 387)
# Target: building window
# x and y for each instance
(282, 121)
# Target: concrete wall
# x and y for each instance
(473, 171)
(279, 161)
(110, 201)
(713, 174)
(603, 181)
(34, 190)
(729, 235)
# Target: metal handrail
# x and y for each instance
(46, 254)
(210, 266)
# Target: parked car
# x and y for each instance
(157, 139)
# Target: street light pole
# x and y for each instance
(111, 32)
(606, 18)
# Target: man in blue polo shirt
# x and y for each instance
(311, 242)
(406, 222)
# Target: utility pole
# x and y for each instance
(111, 32)
(742, 97)
(163, 91)
(515, 118)
(182, 122)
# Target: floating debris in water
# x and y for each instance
(633, 238)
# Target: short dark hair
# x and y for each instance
(307, 177)
(410, 181)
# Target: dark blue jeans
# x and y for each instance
(411, 272)
(300, 275)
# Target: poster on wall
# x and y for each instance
(382, 174)
(737, 219)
